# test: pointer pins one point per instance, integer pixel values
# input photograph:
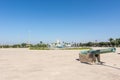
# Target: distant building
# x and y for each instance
(59, 44)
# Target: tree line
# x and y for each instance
(110, 43)
(24, 45)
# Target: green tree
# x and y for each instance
(23, 45)
(111, 41)
(41, 42)
(89, 44)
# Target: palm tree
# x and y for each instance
(111, 41)
(23, 45)
(41, 42)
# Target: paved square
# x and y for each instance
(24, 64)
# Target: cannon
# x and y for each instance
(93, 56)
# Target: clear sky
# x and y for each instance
(66, 20)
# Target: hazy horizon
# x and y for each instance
(65, 20)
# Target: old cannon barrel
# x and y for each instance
(84, 52)
(107, 50)
(90, 56)
(99, 51)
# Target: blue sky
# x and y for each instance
(66, 20)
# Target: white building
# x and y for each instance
(59, 44)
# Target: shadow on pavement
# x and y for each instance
(111, 66)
